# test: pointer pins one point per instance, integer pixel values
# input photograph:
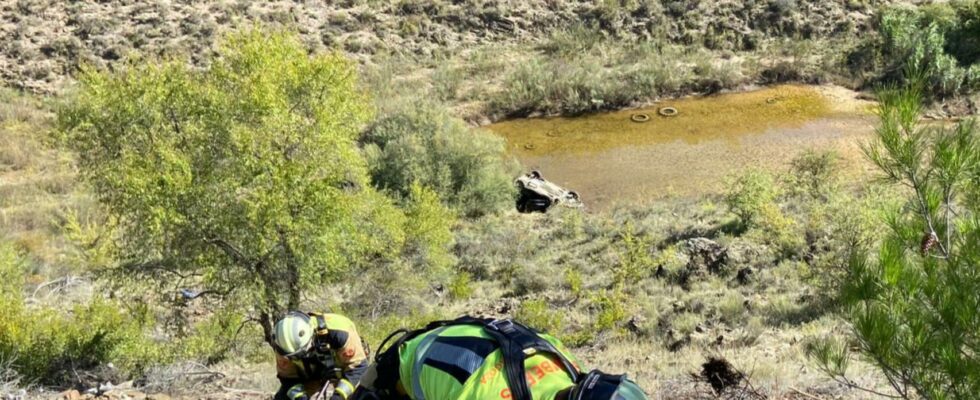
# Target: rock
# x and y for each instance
(744, 276)
(866, 96)
(18, 395)
(706, 256)
(105, 387)
(679, 344)
(70, 395)
(635, 324)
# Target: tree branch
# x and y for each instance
(229, 250)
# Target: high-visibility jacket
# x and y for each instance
(341, 358)
(463, 362)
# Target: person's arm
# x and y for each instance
(350, 357)
(292, 385)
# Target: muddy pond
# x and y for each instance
(650, 153)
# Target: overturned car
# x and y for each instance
(538, 195)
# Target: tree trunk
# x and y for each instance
(292, 272)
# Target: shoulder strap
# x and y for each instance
(321, 324)
(517, 342)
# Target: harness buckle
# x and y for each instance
(502, 325)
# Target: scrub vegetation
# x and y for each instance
(174, 175)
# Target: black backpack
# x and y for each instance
(516, 341)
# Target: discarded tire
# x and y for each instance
(667, 111)
(640, 117)
(771, 100)
(529, 146)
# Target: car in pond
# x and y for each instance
(538, 194)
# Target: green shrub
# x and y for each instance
(776, 228)
(374, 328)
(572, 41)
(635, 262)
(446, 82)
(540, 315)
(936, 45)
(751, 197)
(963, 40)
(731, 308)
(428, 234)
(573, 281)
(611, 311)
(529, 277)
(572, 85)
(913, 306)
(49, 345)
(223, 334)
(814, 173)
(461, 286)
(422, 143)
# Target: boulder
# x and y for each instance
(705, 256)
(70, 395)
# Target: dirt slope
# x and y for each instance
(44, 41)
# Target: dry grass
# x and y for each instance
(37, 185)
(10, 381)
(664, 329)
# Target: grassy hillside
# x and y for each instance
(750, 275)
(45, 41)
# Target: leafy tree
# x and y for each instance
(242, 180)
(915, 307)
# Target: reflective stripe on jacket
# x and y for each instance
(463, 362)
(343, 360)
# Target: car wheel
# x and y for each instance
(536, 175)
(573, 195)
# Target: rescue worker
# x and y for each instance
(485, 359)
(314, 350)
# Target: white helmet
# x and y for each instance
(601, 386)
(293, 335)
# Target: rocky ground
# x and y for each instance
(43, 42)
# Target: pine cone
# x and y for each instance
(929, 241)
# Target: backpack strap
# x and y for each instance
(387, 362)
(517, 342)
